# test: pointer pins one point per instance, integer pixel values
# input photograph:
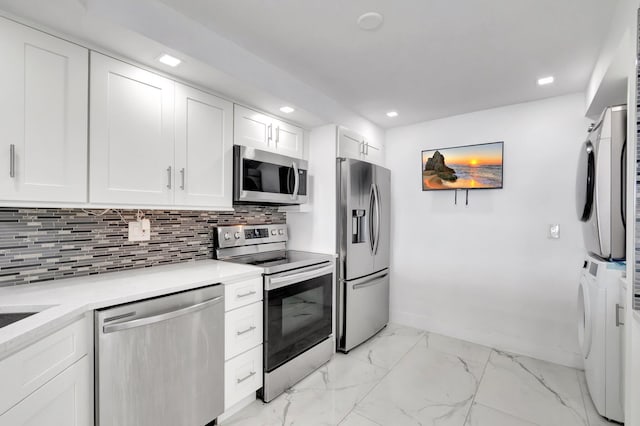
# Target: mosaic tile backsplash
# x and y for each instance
(46, 244)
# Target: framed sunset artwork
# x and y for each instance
(463, 167)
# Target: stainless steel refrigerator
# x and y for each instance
(363, 246)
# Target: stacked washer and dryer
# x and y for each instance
(601, 204)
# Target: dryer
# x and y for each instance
(600, 334)
(600, 186)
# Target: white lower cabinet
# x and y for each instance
(243, 323)
(243, 376)
(50, 381)
(66, 400)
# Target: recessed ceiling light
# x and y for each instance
(392, 114)
(370, 21)
(169, 60)
(287, 109)
(545, 80)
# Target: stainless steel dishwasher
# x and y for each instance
(160, 362)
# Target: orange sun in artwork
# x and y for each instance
(473, 162)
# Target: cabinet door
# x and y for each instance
(204, 149)
(289, 140)
(253, 129)
(131, 134)
(373, 154)
(350, 144)
(43, 116)
(66, 400)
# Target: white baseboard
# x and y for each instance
(493, 340)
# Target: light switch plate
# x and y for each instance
(140, 230)
(554, 231)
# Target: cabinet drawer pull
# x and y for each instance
(249, 293)
(248, 376)
(240, 333)
(169, 177)
(12, 160)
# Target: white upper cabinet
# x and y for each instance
(354, 145)
(43, 117)
(203, 149)
(132, 134)
(257, 130)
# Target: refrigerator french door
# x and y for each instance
(363, 247)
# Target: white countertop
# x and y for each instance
(62, 301)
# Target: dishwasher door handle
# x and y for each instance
(160, 317)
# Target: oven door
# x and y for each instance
(266, 177)
(297, 313)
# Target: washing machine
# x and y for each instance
(600, 334)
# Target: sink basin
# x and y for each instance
(10, 318)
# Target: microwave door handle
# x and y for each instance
(377, 206)
(296, 179)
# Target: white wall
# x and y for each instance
(487, 272)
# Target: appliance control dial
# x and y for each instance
(237, 235)
(274, 232)
(227, 236)
(281, 231)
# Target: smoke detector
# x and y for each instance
(370, 21)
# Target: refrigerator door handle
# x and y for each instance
(377, 206)
(372, 237)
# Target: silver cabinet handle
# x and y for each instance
(161, 317)
(250, 293)
(269, 134)
(277, 135)
(182, 175)
(12, 160)
(362, 147)
(248, 376)
(618, 309)
(169, 177)
(240, 333)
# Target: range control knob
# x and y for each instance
(227, 236)
(237, 235)
(281, 231)
(274, 232)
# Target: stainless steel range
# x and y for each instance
(298, 301)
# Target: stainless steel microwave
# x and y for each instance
(265, 177)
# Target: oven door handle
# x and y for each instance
(285, 280)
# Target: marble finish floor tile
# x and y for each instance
(355, 419)
(593, 417)
(405, 376)
(486, 416)
(427, 387)
(323, 398)
(537, 391)
(387, 347)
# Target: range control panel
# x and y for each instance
(244, 235)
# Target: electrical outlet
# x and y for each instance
(140, 230)
(554, 231)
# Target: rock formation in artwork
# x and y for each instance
(436, 165)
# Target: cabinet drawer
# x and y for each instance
(243, 376)
(243, 329)
(25, 371)
(67, 400)
(242, 293)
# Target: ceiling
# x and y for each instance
(430, 58)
